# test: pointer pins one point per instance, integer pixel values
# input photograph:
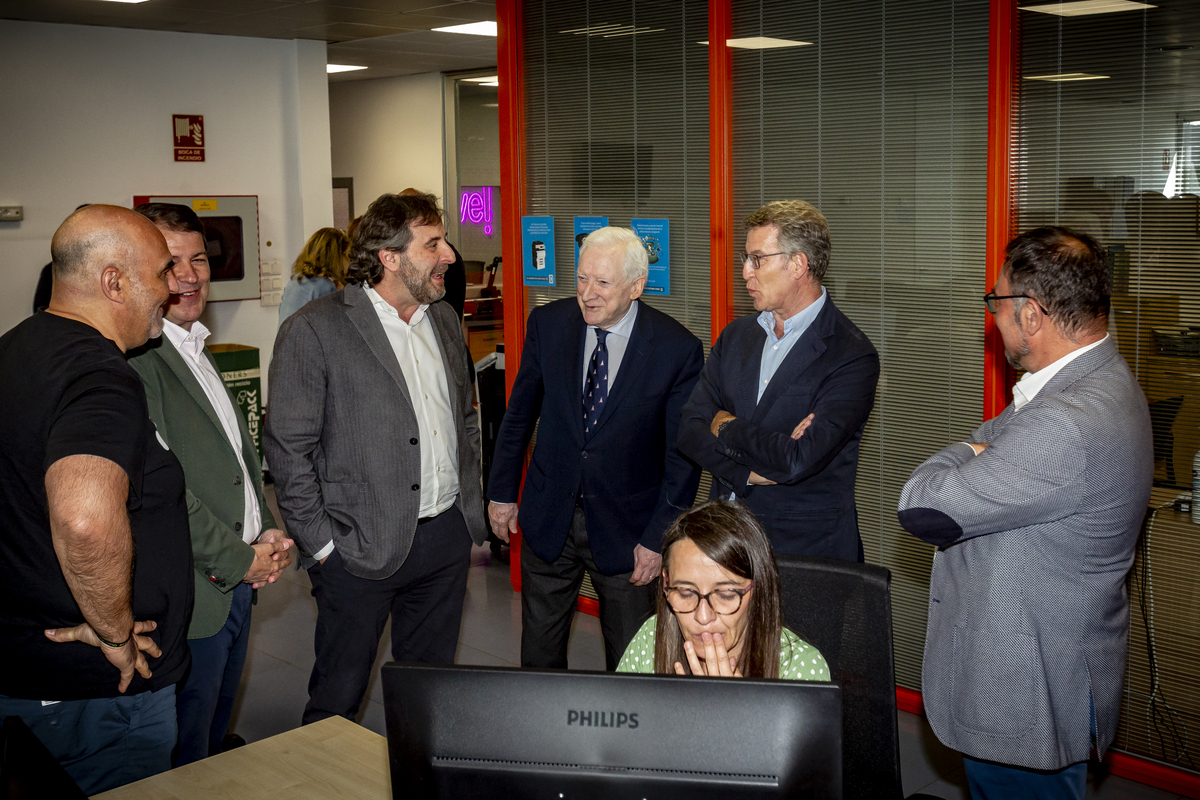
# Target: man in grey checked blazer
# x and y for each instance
(1035, 518)
(374, 444)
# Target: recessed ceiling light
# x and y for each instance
(760, 43)
(1065, 77)
(341, 68)
(482, 79)
(1083, 7)
(490, 105)
(473, 28)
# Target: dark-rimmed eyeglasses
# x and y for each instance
(992, 300)
(723, 601)
(756, 260)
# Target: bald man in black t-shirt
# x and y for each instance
(94, 541)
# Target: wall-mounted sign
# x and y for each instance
(230, 237)
(656, 236)
(189, 137)
(584, 226)
(475, 206)
(537, 245)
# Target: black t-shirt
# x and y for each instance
(66, 390)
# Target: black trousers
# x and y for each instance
(425, 598)
(549, 591)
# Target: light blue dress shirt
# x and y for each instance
(775, 349)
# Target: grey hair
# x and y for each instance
(637, 262)
(802, 229)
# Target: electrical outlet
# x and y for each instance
(12, 213)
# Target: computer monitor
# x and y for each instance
(28, 770)
(485, 732)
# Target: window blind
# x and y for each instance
(1105, 143)
(881, 122)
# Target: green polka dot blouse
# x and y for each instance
(798, 660)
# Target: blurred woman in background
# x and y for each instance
(320, 269)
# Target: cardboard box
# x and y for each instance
(240, 370)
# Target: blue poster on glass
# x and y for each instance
(537, 244)
(656, 235)
(584, 226)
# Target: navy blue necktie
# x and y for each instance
(595, 392)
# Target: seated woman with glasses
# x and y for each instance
(719, 611)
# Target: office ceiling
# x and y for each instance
(391, 37)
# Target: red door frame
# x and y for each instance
(511, 72)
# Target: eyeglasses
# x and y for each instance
(991, 300)
(756, 260)
(722, 601)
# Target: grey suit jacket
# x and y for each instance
(1028, 611)
(341, 433)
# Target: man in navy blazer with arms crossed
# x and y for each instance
(779, 411)
(608, 377)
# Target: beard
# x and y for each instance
(419, 285)
(1015, 355)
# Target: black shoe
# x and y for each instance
(231, 742)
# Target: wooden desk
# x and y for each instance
(330, 758)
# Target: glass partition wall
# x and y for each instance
(1106, 139)
(473, 201)
(876, 113)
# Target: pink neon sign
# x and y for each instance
(475, 207)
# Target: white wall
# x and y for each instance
(386, 134)
(86, 117)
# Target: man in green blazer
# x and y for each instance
(235, 545)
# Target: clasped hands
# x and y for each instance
(270, 558)
(758, 480)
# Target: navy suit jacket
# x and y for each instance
(631, 480)
(832, 372)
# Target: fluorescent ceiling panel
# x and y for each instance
(759, 43)
(473, 28)
(1065, 77)
(484, 79)
(331, 68)
(1082, 8)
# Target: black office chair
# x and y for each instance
(844, 609)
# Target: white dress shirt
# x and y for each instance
(616, 342)
(190, 345)
(416, 347)
(1033, 382)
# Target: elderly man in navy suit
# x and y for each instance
(607, 376)
(1036, 517)
(779, 411)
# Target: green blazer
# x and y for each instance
(189, 425)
